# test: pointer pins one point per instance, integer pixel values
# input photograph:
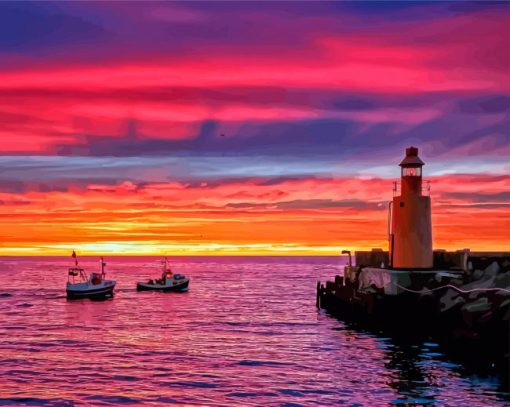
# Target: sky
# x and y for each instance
(249, 128)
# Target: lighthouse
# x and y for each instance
(410, 234)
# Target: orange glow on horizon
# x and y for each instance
(297, 217)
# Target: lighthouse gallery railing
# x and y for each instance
(425, 188)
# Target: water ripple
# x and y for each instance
(246, 333)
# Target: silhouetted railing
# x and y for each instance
(425, 188)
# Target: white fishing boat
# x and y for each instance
(94, 286)
(168, 281)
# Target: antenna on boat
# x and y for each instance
(75, 258)
(102, 265)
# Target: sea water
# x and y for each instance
(246, 333)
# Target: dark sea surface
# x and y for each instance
(246, 333)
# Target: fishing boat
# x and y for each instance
(94, 286)
(168, 281)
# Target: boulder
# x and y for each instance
(504, 303)
(475, 294)
(457, 282)
(480, 305)
(492, 269)
(485, 282)
(450, 299)
(477, 274)
(503, 280)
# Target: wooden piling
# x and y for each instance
(318, 296)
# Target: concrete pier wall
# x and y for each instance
(472, 304)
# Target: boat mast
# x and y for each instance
(75, 258)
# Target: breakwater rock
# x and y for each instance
(472, 306)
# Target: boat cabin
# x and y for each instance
(96, 278)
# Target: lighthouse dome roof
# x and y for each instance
(411, 159)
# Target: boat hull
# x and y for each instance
(93, 293)
(179, 287)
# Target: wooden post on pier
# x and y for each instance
(318, 299)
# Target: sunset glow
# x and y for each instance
(215, 129)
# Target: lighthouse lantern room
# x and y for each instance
(410, 234)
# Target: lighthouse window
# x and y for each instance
(411, 172)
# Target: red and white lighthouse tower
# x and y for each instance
(411, 224)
